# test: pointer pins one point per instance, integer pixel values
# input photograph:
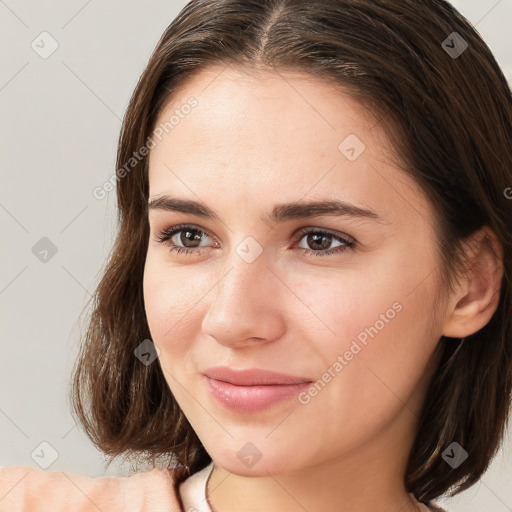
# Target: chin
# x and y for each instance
(274, 465)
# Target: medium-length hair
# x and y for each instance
(447, 107)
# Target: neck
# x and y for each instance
(370, 477)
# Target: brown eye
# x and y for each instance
(318, 242)
(182, 239)
(189, 236)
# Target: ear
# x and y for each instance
(477, 295)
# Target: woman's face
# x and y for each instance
(356, 322)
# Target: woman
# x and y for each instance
(262, 134)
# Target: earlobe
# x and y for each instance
(477, 298)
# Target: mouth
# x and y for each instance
(252, 390)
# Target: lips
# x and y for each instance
(252, 377)
(252, 390)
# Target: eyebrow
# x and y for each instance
(280, 212)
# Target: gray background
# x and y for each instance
(61, 117)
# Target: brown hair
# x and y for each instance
(451, 116)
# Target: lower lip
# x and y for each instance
(252, 398)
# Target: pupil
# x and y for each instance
(190, 236)
(315, 238)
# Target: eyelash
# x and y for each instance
(165, 235)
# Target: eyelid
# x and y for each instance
(305, 230)
(172, 230)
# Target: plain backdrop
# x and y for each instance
(61, 115)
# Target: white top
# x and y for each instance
(193, 491)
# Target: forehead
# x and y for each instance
(259, 135)
(250, 107)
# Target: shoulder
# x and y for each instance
(24, 489)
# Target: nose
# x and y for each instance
(246, 306)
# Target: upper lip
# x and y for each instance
(252, 376)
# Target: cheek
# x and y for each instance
(377, 294)
(169, 299)
(379, 323)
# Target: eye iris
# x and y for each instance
(190, 235)
(315, 238)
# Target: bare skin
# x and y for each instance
(255, 140)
